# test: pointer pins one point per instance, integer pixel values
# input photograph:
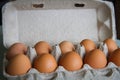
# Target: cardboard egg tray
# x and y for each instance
(111, 71)
(30, 21)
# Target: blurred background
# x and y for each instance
(2, 49)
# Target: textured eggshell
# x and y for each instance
(18, 65)
(42, 47)
(45, 63)
(111, 45)
(15, 49)
(66, 46)
(88, 45)
(115, 57)
(71, 61)
(96, 59)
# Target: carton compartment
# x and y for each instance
(86, 72)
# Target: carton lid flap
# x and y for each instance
(54, 21)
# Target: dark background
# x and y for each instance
(117, 12)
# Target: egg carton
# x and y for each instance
(110, 72)
(30, 21)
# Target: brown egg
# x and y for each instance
(43, 47)
(66, 46)
(15, 49)
(96, 59)
(111, 44)
(45, 63)
(18, 65)
(115, 57)
(71, 61)
(88, 45)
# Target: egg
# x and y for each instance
(15, 49)
(18, 65)
(66, 46)
(111, 45)
(45, 63)
(71, 61)
(115, 57)
(88, 45)
(96, 59)
(42, 47)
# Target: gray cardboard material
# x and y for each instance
(60, 20)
